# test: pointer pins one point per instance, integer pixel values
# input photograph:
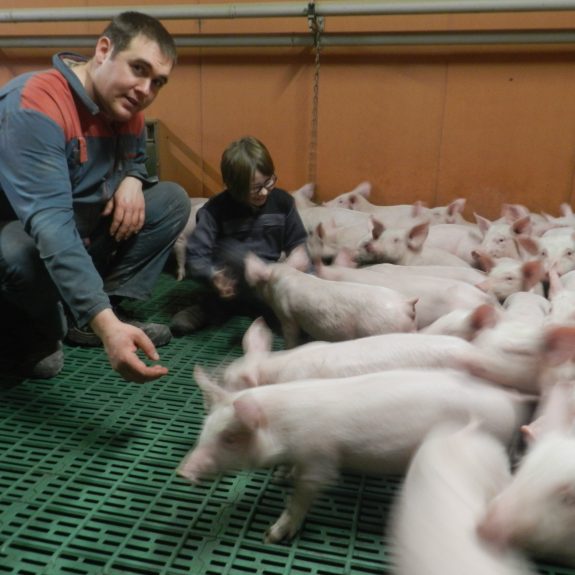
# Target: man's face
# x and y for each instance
(127, 82)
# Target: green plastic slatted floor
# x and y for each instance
(87, 482)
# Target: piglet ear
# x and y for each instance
(377, 227)
(559, 344)
(256, 270)
(213, 393)
(528, 244)
(483, 223)
(555, 283)
(528, 433)
(483, 316)
(417, 236)
(248, 412)
(483, 260)
(362, 189)
(522, 226)
(533, 273)
(307, 190)
(456, 206)
(417, 209)
(258, 337)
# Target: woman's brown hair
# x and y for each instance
(240, 160)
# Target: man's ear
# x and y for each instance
(104, 49)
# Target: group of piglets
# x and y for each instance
(454, 372)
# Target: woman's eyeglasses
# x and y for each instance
(267, 185)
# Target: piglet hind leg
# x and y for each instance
(291, 333)
(308, 483)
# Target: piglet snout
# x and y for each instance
(196, 466)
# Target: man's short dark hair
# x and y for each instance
(128, 25)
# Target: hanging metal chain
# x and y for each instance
(315, 24)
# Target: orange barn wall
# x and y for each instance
(490, 124)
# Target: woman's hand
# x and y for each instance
(225, 285)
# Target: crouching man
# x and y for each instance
(82, 226)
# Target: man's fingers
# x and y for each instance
(145, 344)
(140, 220)
(128, 364)
(131, 223)
(117, 221)
(108, 207)
(135, 369)
(138, 372)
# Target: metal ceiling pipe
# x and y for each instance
(287, 9)
(385, 7)
(328, 40)
(179, 12)
(390, 39)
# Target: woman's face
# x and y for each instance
(260, 188)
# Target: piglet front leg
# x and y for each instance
(179, 250)
(308, 483)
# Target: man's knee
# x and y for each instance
(168, 202)
(20, 262)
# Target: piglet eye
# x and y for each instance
(234, 439)
(229, 438)
(567, 496)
